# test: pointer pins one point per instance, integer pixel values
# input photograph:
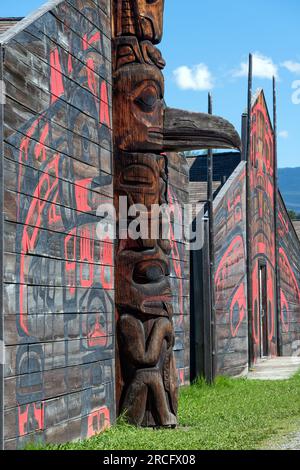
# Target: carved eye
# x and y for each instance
(148, 273)
(151, 1)
(147, 99)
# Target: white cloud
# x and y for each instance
(263, 67)
(197, 78)
(283, 134)
(291, 66)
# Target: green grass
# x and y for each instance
(232, 414)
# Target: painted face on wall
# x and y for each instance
(139, 106)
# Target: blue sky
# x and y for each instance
(206, 45)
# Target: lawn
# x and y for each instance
(232, 414)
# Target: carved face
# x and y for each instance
(145, 286)
(142, 264)
(141, 177)
(150, 14)
(139, 108)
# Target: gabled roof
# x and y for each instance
(6, 23)
(255, 98)
(19, 26)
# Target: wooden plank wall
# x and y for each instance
(263, 221)
(178, 194)
(289, 268)
(231, 276)
(58, 276)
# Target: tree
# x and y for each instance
(294, 215)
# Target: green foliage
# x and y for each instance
(231, 414)
(294, 215)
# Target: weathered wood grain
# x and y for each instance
(79, 167)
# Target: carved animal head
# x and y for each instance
(145, 125)
(140, 18)
(139, 108)
(184, 130)
(150, 17)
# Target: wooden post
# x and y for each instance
(211, 285)
(278, 302)
(244, 136)
(248, 215)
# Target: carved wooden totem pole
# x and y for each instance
(143, 130)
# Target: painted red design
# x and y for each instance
(98, 421)
(237, 310)
(104, 107)
(46, 186)
(87, 257)
(262, 223)
(56, 78)
(30, 418)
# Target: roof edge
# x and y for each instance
(11, 18)
(238, 170)
(216, 154)
(28, 20)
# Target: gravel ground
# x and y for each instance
(289, 442)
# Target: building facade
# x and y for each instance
(257, 307)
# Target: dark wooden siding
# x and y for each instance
(58, 276)
(230, 276)
(7, 23)
(178, 194)
(224, 165)
(289, 266)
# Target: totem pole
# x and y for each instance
(143, 130)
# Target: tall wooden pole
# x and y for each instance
(244, 136)
(278, 302)
(144, 130)
(146, 371)
(249, 214)
(210, 198)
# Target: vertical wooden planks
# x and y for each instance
(178, 190)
